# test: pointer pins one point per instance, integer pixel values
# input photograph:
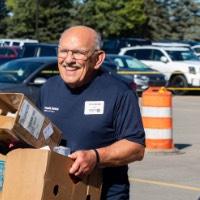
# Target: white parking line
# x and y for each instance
(185, 187)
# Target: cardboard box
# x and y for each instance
(35, 174)
(21, 120)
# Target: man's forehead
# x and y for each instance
(82, 29)
(74, 43)
(77, 39)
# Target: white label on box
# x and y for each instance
(31, 119)
(48, 131)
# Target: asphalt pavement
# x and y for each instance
(172, 175)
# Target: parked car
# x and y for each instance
(196, 49)
(39, 50)
(16, 42)
(111, 69)
(171, 44)
(27, 75)
(8, 53)
(141, 74)
(114, 45)
(180, 65)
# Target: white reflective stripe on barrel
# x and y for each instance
(158, 133)
(156, 111)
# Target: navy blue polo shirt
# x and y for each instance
(96, 115)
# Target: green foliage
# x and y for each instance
(155, 19)
(10, 4)
(50, 18)
(21, 24)
(54, 20)
(175, 20)
(112, 18)
(44, 22)
(3, 13)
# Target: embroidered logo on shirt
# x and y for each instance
(94, 108)
(50, 109)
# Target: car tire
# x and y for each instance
(178, 81)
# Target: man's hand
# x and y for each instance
(84, 162)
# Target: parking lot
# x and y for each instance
(175, 175)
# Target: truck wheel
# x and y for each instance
(178, 81)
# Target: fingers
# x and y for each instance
(84, 162)
(76, 165)
(73, 156)
(80, 172)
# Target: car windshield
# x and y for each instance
(197, 49)
(3, 51)
(17, 71)
(182, 55)
(129, 63)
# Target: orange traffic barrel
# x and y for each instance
(157, 118)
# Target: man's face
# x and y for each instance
(76, 58)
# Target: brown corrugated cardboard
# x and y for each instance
(2, 157)
(35, 174)
(21, 120)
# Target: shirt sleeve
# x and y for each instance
(128, 123)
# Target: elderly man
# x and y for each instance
(98, 114)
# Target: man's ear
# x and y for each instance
(99, 59)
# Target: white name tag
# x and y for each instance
(94, 108)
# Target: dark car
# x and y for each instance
(111, 69)
(8, 53)
(114, 45)
(26, 75)
(39, 50)
(141, 74)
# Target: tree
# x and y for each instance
(112, 18)
(186, 20)
(158, 23)
(44, 21)
(3, 13)
(10, 4)
(173, 19)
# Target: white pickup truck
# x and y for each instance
(179, 64)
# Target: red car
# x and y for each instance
(9, 53)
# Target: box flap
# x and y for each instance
(21, 119)
(10, 102)
(6, 122)
(24, 171)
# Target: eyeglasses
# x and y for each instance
(76, 54)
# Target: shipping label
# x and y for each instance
(31, 119)
(48, 131)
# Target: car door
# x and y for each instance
(152, 58)
(159, 61)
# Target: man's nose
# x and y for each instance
(69, 58)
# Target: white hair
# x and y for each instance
(98, 41)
